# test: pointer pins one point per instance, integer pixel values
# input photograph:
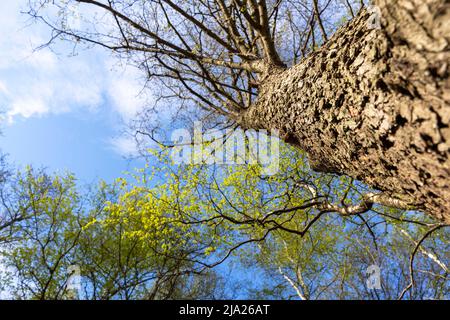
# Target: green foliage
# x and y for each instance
(163, 232)
(125, 240)
(44, 239)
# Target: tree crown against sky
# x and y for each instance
(210, 55)
(176, 231)
(274, 65)
(218, 59)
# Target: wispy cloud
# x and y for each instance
(48, 82)
(3, 88)
(125, 145)
(38, 83)
(126, 92)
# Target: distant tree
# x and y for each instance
(122, 245)
(339, 256)
(135, 248)
(7, 218)
(165, 231)
(311, 234)
(43, 237)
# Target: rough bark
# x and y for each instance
(373, 104)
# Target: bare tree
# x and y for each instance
(370, 101)
(8, 217)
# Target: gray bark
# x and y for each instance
(373, 104)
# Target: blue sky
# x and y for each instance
(68, 141)
(63, 112)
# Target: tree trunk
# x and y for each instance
(373, 104)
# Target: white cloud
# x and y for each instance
(125, 145)
(127, 94)
(43, 60)
(3, 88)
(26, 107)
(38, 83)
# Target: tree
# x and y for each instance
(366, 97)
(338, 256)
(163, 233)
(121, 244)
(43, 237)
(310, 233)
(6, 218)
(134, 246)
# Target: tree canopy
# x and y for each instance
(171, 231)
(358, 207)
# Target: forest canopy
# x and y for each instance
(193, 232)
(354, 96)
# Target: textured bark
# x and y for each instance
(373, 104)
